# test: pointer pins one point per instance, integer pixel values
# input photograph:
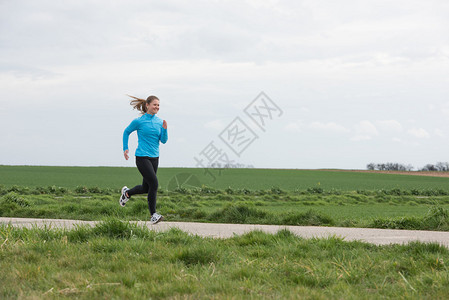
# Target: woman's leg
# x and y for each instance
(138, 189)
(152, 191)
(148, 168)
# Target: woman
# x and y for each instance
(150, 130)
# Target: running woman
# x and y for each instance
(150, 131)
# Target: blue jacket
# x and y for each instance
(149, 132)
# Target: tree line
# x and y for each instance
(438, 167)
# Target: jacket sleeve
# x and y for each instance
(128, 130)
(164, 135)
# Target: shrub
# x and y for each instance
(81, 190)
(15, 189)
(415, 192)
(181, 190)
(315, 190)
(437, 218)
(238, 214)
(397, 192)
(412, 223)
(364, 192)
(229, 191)
(310, 218)
(205, 190)
(12, 197)
(277, 191)
(7, 207)
(53, 190)
(245, 192)
(94, 190)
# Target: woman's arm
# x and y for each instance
(164, 132)
(131, 127)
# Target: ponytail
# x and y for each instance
(141, 104)
(138, 104)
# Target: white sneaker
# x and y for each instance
(123, 197)
(155, 218)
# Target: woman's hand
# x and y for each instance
(126, 154)
(164, 124)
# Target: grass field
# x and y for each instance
(252, 179)
(284, 197)
(117, 260)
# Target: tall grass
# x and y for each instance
(437, 218)
(379, 209)
(122, 260)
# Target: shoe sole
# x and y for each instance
(120, 200)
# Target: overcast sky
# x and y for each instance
(350, 82)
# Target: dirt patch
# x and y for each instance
(416, 173)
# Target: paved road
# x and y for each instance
(374, 236)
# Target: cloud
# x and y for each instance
(360, 137)
(293, 127)
(330, 126)
(364, 130)
(390, 125)
(440, 133)
(253, 31)
(445, 109)
(21, 71)
(419, 133)
(216, 125)
(366, 127)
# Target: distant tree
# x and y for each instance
(392, 166)
(381, 167)
(371, 166)
(409, 167)
(389, 166)
(429, 167)
(442, 166)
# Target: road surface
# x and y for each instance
(369, 235)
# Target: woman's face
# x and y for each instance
(153, 107)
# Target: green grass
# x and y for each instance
(117, 260)
(252, 179)
(381, 209)
(289, 197)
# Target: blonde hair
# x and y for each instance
(141, 104)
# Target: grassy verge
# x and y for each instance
(399, 209)
(121, 260)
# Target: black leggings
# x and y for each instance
(147, 167)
